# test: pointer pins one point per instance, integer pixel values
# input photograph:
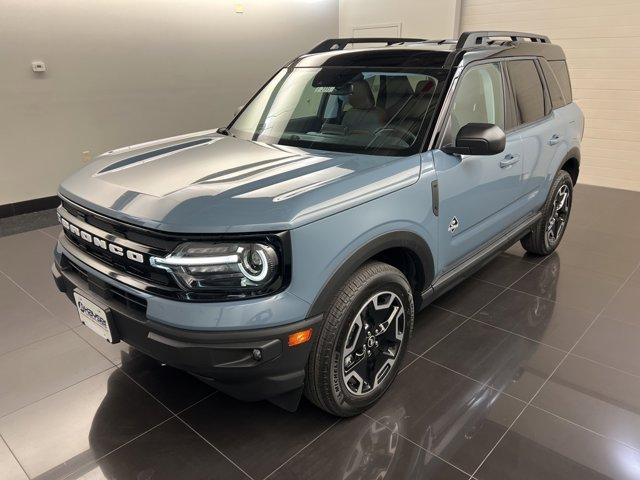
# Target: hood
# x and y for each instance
(210, 183)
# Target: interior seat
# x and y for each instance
(363, 116)
(411, 116)
(396, 92)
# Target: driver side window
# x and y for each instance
(479, 98)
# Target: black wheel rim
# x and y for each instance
(373, 342)
(559, 216)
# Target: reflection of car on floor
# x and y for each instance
(289, 251)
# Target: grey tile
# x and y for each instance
(46, 367)
(505, 361)
(449, 415)
(613, 343)
(568, 285)
(27, 222)
(10, 469)
(60, 433)
(504, 270)
(541, 446)
(176, 389)
(430, 326)
(259, 437)
(536, 318)
(113, 351)
(601, 260)
(23, 321)
(468, 297)
(170, 451)
(27, 259)
(53, 231)
(613, 243)
(360, 448)
(600, 398)
(625, 306)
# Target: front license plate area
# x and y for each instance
(96, 317)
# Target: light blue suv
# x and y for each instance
(289, 252)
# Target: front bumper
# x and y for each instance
(223, 359)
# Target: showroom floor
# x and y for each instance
(530, 370)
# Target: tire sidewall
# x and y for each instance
(562, 179)
(385, 281)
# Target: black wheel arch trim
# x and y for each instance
(397, 239)
(573, 152)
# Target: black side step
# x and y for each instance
(478, 260)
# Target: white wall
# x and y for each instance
(126, 71)
(417, 18)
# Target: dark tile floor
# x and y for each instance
(529, 370)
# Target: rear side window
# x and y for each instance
(559, 67)
(527, 89)
(557, 99)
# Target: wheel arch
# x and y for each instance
(571, 163)
(407, 251)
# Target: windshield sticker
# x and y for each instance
(324, 89)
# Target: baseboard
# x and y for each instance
(29, 206)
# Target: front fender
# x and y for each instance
(327, 252)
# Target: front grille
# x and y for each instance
(149, 245)
(103, 289)
(95, 234)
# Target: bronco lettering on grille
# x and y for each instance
(99, 242)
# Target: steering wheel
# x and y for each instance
(404, 134)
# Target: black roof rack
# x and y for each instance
(471, 39)
(340, 43)
(441, 41)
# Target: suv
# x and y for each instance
(289, 252)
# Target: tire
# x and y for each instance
(546, 235)
(352, 336)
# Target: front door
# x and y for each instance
(480, 196)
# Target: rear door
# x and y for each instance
(479, 195)
(541, 128)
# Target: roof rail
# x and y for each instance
(470, 39)
(341, 43)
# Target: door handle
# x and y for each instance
(555, 138)
(509, 159)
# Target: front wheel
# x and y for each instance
(363, 341)
(547, 233)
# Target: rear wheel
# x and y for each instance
(362, 342)
(547, 233)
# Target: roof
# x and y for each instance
(414, 53)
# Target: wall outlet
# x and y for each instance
(38, 66)
(86, 156)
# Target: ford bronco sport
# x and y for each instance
(289, 252)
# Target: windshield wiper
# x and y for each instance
(226, 131)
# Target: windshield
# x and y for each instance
(376, 111)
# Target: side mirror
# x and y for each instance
(478, 139)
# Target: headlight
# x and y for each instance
(233, 268)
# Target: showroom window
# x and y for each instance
(479, 99)
(528, 91)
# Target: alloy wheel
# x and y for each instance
(373, 343)
(559, 216)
